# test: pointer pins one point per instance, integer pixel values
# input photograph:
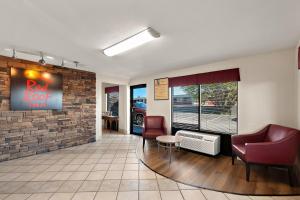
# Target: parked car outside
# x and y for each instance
(139, 112)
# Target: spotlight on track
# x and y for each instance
(42, 60)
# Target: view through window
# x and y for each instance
(185, 107)
(138, 108)
(208, 107)
(113, 103)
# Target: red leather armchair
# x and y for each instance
(154, 126)
(274, 145)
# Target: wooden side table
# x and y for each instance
(168, 141)
(110, 120)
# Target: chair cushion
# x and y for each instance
(152, 133)
(239, 150)
(154, 122)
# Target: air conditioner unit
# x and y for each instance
(201, 142)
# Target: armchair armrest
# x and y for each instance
(250, 138)
(283, 152)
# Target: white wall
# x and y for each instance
(98, 107)
(267, 90)
(113, 80)
(123, 109)
(298, 85)
(298, 99)
(103, 98)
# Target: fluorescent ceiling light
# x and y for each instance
(136, 40)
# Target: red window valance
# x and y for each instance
(222, 76)
(112, 89)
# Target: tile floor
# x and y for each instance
(105, 170)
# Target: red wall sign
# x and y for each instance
(33, 90)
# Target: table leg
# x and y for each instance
(110, 126)
(158, 147)
(178, 146)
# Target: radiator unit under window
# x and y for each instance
(201, 142)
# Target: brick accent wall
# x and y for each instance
(25, 133)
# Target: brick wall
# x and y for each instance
(24, 133)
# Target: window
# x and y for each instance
(216, 112)
(113, 103)
(219, 107)
(185, 107)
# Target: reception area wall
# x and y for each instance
(267, 92)
(297, 58)
(24, 133)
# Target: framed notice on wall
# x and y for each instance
(34, 90)
(161, 89)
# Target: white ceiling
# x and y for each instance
(104, 85)
(193, 32)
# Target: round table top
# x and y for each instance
(170, 139)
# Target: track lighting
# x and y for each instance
(42, 61)
(31, 55)
(13, 54)
(76, 64)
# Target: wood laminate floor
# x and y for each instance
(216, 173)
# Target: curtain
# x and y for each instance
(221, 76)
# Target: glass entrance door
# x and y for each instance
(138, 107)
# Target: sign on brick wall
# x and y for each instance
(33, 90)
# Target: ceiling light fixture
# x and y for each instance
(14, 54)
(136, 40)
(42, 61)
(76, 64)
(62, 63)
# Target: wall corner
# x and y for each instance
(98, 107)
